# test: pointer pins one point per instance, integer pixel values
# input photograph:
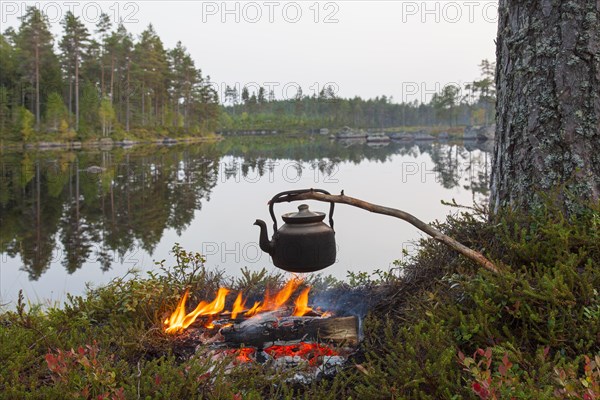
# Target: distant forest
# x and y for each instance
(472, 104)
(104, 83)
(98, 84)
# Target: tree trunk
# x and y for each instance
(548, 109)
(112, 78)
(128, 94)
(143, 105)
(37, 87)
(102, 93)
(70, 94)
(76, 91)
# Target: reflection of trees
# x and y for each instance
(38, 222)
(447, 162)
(479, 167)
(132, 196)
(28, 220)
(452, 161)
(96, 213)
(469, 163)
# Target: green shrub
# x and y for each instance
(443, 328)
(545, 301)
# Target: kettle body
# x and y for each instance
(303, 244)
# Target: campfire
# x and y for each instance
(208, 312)
(282, 328)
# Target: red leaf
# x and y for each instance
(488, 353)
(119, 394)
(52, 361)
(506, 362)
(480, 390)
(502, 370)
(546, 351)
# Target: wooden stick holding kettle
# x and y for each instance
(411, 219)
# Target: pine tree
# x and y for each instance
(4, 111)
(245, 96)
(152, 72)
(74, 44)
(35, 43)
(90, 104)
(103, 27)
(55, 111)
(548, 108)
(183, 79)
(261, 95)
(120, 50)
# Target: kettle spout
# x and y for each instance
(265, 244)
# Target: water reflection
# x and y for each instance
(101, 205)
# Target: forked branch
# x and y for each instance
(411, 219)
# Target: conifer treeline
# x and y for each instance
(472, 104)
(106, 83)
(96, 84)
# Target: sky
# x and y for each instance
(404, 49)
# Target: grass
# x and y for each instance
(440, 329)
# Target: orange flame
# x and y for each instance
(238, 306)
(255, 308)
(179, 320)
(270, 302)
(302, 304)
(281, 297)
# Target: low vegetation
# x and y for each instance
(440, 327)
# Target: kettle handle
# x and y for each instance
(281, 197)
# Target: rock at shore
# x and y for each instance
(485, 132)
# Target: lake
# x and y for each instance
(68, 218)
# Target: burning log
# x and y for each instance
(264, 331)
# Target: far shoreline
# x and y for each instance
(104, 143)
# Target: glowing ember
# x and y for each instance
(308, 351)
(243, 354)
(180, 320)
(311, 352)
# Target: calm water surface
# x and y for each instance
(71, 218)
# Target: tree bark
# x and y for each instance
(77, 90)
(548, 108)
(112, 77)
(37, 86)
(128, 95)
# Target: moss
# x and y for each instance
(442, 329)
(542, 303)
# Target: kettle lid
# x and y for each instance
(303, 216)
